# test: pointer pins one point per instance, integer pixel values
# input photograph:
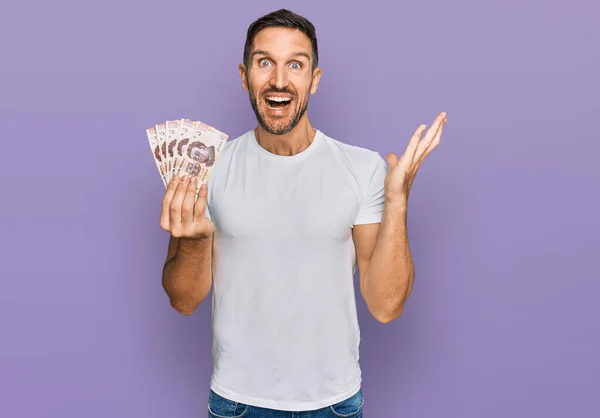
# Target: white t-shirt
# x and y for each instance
(285, 328)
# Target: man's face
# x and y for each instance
(279, 78)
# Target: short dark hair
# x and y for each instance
(282, 18)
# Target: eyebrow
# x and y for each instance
(296, 54)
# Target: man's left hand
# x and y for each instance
(402, 172)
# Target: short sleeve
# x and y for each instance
(371, 207)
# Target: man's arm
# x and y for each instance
(385, 264)
(187, 273)
(383, 255)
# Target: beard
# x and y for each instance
(279, 126)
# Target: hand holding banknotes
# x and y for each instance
(185, 153)
(182, 214)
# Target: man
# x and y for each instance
(287, 215)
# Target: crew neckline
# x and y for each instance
(286, 158)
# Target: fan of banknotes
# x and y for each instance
(185, 147)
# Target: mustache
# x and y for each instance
(276, 90)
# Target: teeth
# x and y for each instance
(279, 99)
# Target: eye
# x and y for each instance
(296, 65)
(263, 62)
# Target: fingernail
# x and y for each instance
(193, 180)
(184, 179)
(444, 114)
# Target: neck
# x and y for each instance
(291, 143)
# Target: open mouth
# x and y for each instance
(277, 103)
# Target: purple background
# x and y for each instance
(503, 216)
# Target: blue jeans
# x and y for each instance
(220, 407)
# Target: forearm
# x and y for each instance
(187, 273)
(390, 273)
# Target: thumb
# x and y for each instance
(392, 160)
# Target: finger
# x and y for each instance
(187, 210)
(435, 127)
(429, 149)
(429, 137)
(166, 203)
(409, 155)
(433, 144)
(200, 207)
(177, 204)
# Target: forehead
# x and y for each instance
(281, 41)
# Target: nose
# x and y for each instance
(279, 77)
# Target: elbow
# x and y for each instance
(385, 316)
(387, 306)
(186, 313)
(180, 300)
(383, 320)
(186, 309)
(183, 299)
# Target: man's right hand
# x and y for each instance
(182, 215)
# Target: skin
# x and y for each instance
(187, 276)
(281, 64)
(281, 60)
(383, 254)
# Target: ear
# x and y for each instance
(242, 70)
(317, 73)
